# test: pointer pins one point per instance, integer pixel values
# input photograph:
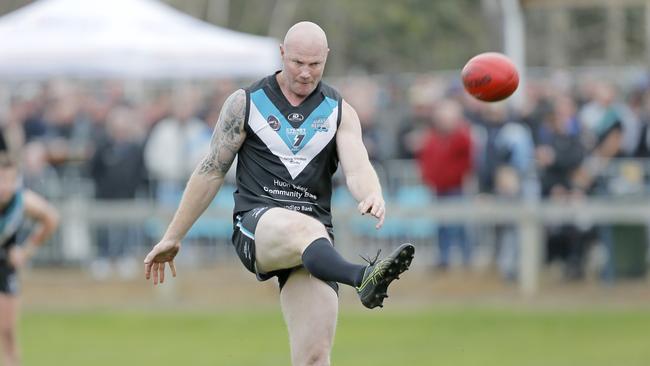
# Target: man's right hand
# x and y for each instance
(17, 257)
(163, 252)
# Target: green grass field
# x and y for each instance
(434, 337)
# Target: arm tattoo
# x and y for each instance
(227, 137)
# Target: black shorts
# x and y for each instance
(243, 238)
(8, 279)
(8, 276)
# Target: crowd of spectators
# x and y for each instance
(563, 144)
(570, 139)
(142, 141)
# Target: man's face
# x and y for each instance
(303, 68)
(8, 183)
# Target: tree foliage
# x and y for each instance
(370, 35)
(375, 35)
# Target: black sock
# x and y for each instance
(325, 263)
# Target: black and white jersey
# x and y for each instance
(289, 155)
(11, 219)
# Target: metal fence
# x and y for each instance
(76, 242)
(125, 230)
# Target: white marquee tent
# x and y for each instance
(125, 39)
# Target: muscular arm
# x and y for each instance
(361, 178)
(46, 220)
(207, 178)
(45, 216)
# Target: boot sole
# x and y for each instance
(399, 264)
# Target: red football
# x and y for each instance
(490, 77)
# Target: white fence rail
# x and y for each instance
(529, 217)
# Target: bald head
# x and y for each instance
(306, 36)
(304, 53)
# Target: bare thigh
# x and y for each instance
(8, 312)
(8, 320)
(310, 308)
(281, 236)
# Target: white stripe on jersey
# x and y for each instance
(295, 163)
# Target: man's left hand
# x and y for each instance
(374, 204)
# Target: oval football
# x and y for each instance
(490, 77)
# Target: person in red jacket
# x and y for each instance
(445, 161)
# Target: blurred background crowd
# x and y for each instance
(576, 134)
(426, 137)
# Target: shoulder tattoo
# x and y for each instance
(227, 137)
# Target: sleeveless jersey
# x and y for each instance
(289, 154)
(11, 218)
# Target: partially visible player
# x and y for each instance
(16, 204)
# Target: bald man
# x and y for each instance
(289, 131)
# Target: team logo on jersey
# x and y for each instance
(298, 136)
(273, 122)
(295, 117)
(320, 124)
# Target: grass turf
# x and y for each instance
(459, 337)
